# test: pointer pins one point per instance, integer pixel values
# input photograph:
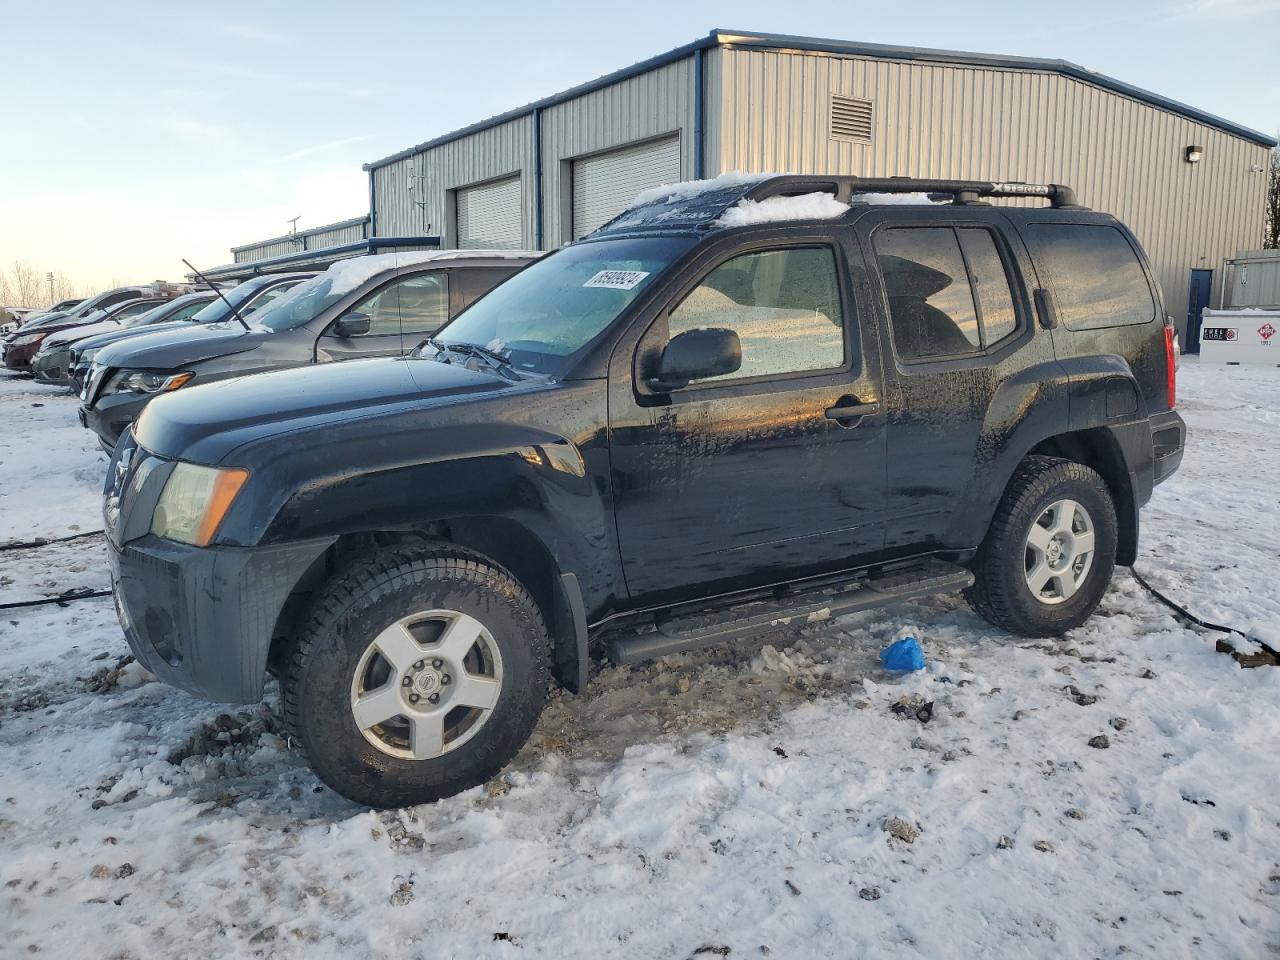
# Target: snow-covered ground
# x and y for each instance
(731, 803)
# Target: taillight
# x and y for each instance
(1171, 364)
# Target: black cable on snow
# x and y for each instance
(1183, 613)
(47, 542)
(62, 599)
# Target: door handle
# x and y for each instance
(848, 411)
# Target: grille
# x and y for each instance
(851, 119)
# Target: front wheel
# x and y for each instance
(1050, 552)
(416, 676)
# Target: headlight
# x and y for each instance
(147, 381)
(85, 356)
(28, 340)
(194, 501)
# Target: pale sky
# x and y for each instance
(135, 134)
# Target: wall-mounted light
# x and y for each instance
(1193, 154)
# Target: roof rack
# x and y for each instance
(962, 192)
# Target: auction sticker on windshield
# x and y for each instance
(617, 279)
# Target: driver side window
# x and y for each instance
(784, 306)
(383, 311)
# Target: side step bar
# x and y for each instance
(695, 631)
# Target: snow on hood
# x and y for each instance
(806, 206)
(80, 332)
(675, 192)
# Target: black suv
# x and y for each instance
(740, 405)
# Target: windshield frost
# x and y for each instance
(546, 314)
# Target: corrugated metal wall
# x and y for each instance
(641, 108)
(317, 238)
(935, 120)
(412, 196)
(1253, 279)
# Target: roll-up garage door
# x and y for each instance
(604, 184)
(490, 215)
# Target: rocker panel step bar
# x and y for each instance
(751, 618)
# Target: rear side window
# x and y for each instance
(783, 304)
(948, 290)
(1097, 278)
(476, 283)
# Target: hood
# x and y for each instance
(169, 349)
(100, 340)
(46, 329)
(205, 423)
(71, 334)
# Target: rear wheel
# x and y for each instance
(1050, 552)
(417, 675)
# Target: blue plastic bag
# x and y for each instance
(904, 654)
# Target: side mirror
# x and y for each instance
(696, 355)
(352, 325)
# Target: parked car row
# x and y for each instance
(741, 405)
(110, 307)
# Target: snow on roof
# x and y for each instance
(905, 199)
(346, 275)
(806, 206)
(675, 192)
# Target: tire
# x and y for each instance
(408, 603)
(1014, 556)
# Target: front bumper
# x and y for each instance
(202, 618)
(51, 366)
(113, 413)
(19, 358)
(1168, 438)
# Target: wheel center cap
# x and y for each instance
(426, 682)
(1053, 553)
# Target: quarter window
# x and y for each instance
(948, 290)
(783, 304)
(1097, 279)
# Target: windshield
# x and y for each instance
(217, 309)
(88, 306)
(300, 305)
(545, 315)
(156, 313)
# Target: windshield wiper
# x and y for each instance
(499, 361)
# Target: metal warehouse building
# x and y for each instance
(1190, 185)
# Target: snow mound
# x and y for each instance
(808, 206)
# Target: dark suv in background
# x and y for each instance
(376, 306)
(740, 405)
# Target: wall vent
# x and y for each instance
(850, 119)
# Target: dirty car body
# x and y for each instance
(693, 417)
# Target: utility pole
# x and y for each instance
(49, 276)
